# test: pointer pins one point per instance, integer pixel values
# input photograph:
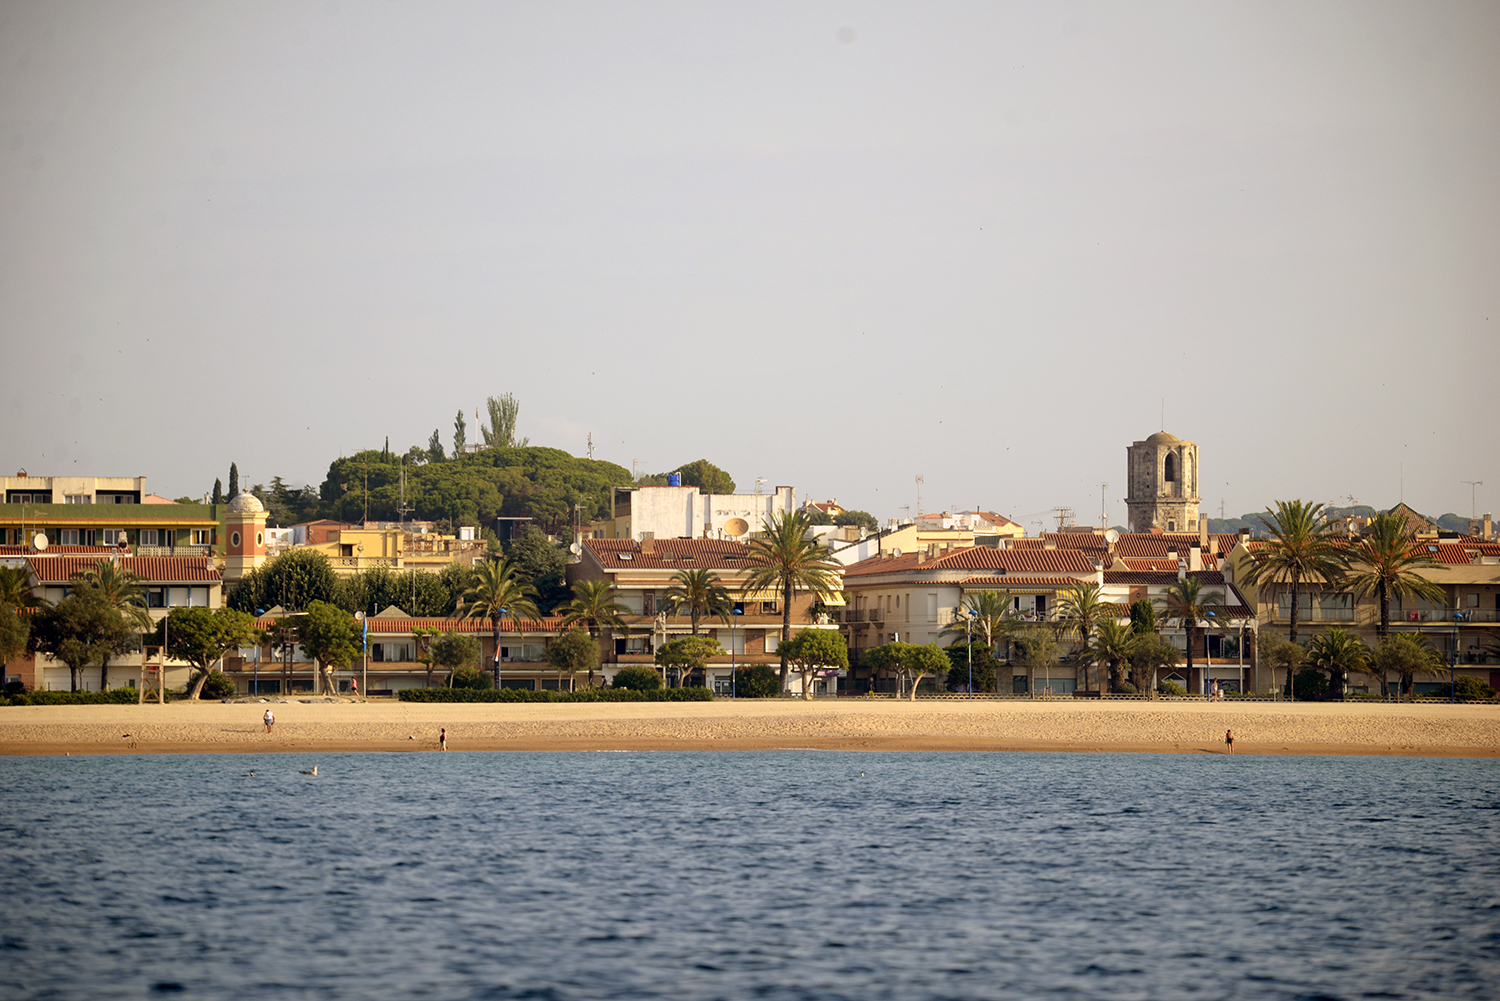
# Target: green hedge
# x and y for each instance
(583, 695)
(118, 697)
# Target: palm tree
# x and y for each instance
(120, 590)
(15, 589)
(1081, 609)
(594, 606)
(1385, 563)
(992, 614)
(1302, 549)
(785, 558)
(1187, 602)
(700, 593)
(494, 590)
(1112, 643)
(1338, 651)
(1407, 655)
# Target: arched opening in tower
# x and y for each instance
(1171, 470)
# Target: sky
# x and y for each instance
(839, 246)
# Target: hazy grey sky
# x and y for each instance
(833, 245)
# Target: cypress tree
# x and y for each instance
(234, 481)
(218, 492)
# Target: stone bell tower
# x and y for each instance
(1163, 475)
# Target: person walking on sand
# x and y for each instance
(354, 687)
(270, 720)
(1229, 741)
(442, 739)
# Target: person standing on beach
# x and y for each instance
(442, 739)
(270, 720)
(1229, 740)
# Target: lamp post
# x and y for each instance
(1453, 662)
(734, 685)
(1207, 666)
(969, 630)
(364, 641)
(498, 619)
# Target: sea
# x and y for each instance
(796, 874)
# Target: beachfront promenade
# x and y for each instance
(1471, 730)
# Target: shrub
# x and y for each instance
(693, 694)
(1128, 688)
(119, 696)
(217, 686)
(1310, 684)
(757, 681)
(472, 679)
(1471, 689)
(639, 679)
(1171, 688)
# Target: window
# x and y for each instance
(156, 597)
(200, 536)
(1171, 526)
(1473, 599)
(234, 539)
(79, 499)
(149, 536)
(68, 537)
(768, 607)
(1170, 470)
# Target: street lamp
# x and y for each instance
(969, 629)
(734, 686)
(498, 619)
(1453, 661)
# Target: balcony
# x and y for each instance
(361, 562)
(1279, 614)
(1445, 616)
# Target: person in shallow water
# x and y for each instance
(442, 739)
(1229, 740)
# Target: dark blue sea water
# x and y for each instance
(749, 875)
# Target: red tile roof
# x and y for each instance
(483, 627)
(1210, 562)
(669, 554)
(1160, 576)
(150, 569)
(1009, 561)
(57, 550)
(1008, 581)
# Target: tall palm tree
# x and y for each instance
(1112, 643)
(1338, 651)
(991, 613)
(494, 590)
(1302, 549)
(1386, 562)
(1187, 602)
(785, 558)
(594, 606)
(699, 593)
(1081, 608)
(117, 589)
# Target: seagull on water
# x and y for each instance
(313, 772)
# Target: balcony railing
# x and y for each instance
(1279, 614)
(361, 562)
(1445, 616)
(173, 550)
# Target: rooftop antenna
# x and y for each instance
(1103, 506)
(1473, 507)
(403, 508)
(920, 481)
(1163, 413)
(591, 446)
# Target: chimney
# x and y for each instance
(921, 556)
(1202, 532)
(648, 546)
(1244, 535)
(1488, 532)
(1195, 557)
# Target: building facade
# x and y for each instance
(1162, 473)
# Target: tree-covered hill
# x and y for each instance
(474, 489)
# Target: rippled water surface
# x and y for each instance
(742, 875)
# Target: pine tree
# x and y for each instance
(234, 481)
(435, 447)
(458, 435)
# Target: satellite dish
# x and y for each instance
(895, 552)
(39, 541)
(1111, 536)
(576, 549)
(359, 616)
(736, 526)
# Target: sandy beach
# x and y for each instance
(883, 725)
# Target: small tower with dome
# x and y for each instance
(244, 536)
(1162, 472)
